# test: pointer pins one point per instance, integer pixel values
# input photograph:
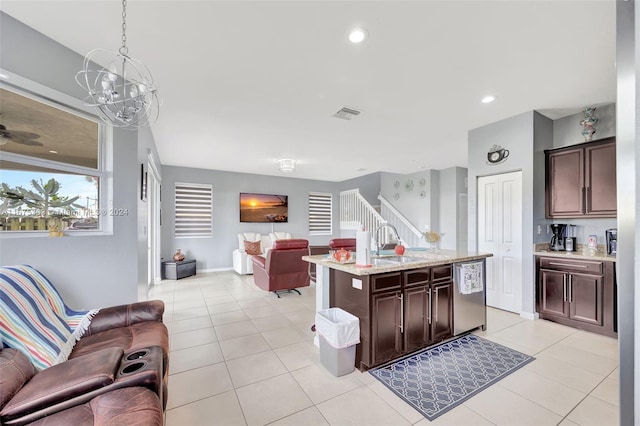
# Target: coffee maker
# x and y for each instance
(612, 241)
(557, 240)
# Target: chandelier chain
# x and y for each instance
(123, 49)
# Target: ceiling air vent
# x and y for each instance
(346, 113)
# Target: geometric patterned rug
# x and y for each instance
(437, 379)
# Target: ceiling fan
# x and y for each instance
(23, 138)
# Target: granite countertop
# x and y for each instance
(578, 255)
(426, 259)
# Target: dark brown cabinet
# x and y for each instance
(399, 312)
(386, 335)
(581, 180)
(578, 293)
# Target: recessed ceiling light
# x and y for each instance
(53, 152)
(488, 99)
(357, 35)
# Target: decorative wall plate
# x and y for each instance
(423, 194)
(409, 185)
(423, 182)
(396, 196)
(396, 184)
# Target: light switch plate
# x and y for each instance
(356, 283)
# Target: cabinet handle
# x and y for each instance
(429, 306)
(570, 288)
(401, 313)
(584, 200)
(570, 265)
(564, 287)
(435, 316)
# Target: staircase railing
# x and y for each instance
(409, 233)
(356, 212)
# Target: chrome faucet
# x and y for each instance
(384, 225)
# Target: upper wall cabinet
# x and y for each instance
(581, 180)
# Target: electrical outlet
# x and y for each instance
(539, 229)
(356, 283)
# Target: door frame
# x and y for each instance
(153, 222)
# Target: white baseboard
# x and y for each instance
(530, 316)
(230, 268)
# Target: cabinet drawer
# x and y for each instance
(571, 265)
(386, 281)
(417, 276)
(441, 273)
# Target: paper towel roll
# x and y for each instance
(363, 248)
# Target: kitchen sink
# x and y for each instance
(380, 261)
(394, 260)
(404, 259)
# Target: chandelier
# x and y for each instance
(120, 87)
(287, 165)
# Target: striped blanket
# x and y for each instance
(35, 320)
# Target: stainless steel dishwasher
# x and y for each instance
(469, 296)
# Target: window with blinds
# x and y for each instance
(320, 213)
(194, 210)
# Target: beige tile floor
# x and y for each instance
(241, 356)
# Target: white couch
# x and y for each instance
(242, 263)
(279, 236)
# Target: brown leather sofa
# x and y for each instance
(283, 268)
(88, 390)
(125, 346)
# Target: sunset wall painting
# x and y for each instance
(264, 208)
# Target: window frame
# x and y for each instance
(104, 171)
(175, 206)
(328, 195)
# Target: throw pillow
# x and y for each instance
(252, 247)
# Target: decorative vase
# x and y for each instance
(588, 122)
(178, 257)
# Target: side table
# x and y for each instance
(172, 270)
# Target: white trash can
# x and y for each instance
(339, 333)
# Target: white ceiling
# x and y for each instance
(245, 83)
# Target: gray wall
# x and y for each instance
(451, 186)
(368, 185)
(517, 135)
(215, 253)
(89, 271)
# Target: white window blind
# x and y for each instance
(194, 210)
(320, 210)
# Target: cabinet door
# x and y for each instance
(600, 175)
(441, 311)
(565, 183)
(386, 335)
(585, 297)
(416, 321)
(553, 293)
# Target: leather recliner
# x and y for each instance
(343, 243)
(89, 390)
(283, 268)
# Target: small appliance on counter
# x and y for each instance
(557, 240)
(570, 240)
(612, 241)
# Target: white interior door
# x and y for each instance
(500, 233)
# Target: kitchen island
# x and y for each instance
(404, 303)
